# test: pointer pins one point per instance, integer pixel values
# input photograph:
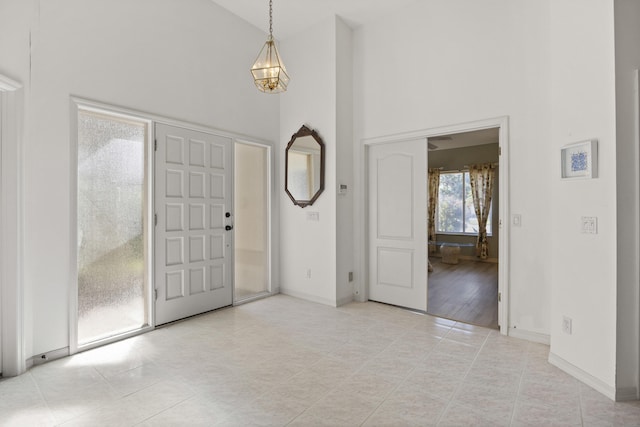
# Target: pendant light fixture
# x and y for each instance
(268, 71)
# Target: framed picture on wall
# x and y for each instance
(580, 160)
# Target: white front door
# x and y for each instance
(398, 223)
(193, 239)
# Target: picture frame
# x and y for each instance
(580, 160)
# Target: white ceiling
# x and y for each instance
(292, 16)
(464, 139)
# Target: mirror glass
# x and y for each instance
(304, 167)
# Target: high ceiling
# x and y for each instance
(292, 16)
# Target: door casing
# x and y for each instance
(12, 343)
(153, 119)
(362, 288)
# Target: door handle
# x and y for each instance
(228, 227)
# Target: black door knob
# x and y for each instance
(228, 214)
(228, 227)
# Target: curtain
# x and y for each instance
(481, 178)
(434, 185)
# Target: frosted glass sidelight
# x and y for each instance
(251, 275)
(112, 284)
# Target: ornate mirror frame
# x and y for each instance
(301, 133)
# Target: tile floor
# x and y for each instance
(283, 361)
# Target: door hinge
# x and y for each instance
(155, 145)
(155, 219)
(499, 151)
(499, 296)
(155, 294)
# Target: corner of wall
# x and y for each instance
(627, 63)
(583, 376)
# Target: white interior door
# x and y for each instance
(398, 223)
(193, 241)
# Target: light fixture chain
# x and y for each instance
(270, 18)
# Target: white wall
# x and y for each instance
(158, 56)
(310, 58)
(627, 36)
(15, 21)
(583, 266)
(550, 70)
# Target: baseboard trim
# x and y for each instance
(49, 356)
(307, 297)
(626, 394)
(530, 336)
(583, 376)
(344, 300)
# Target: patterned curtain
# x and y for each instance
(434, 185)
(481, 178)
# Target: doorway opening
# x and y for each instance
(395, 244)
(464, 187)
(251, 221)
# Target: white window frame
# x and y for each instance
(274, 185)
(82, 105)
(271, 217)
(461, 233)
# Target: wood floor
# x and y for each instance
(466, 292)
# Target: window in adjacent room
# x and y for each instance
(456, 214)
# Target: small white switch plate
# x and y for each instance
(517, 220)
(589, 225)
(566, 325)
(308, 273)
(313, 216)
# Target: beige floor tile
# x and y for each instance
(283, 361)
(529, 413)
(408, 410)
(457, 416)
(337, 409)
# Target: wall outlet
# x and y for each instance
(589, 225)
(566, 325)
(308, 273)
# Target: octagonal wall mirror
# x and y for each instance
(304, 167)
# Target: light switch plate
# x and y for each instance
(516, 220)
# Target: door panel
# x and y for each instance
(398, 224)
(193, 194)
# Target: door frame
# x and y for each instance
(362, 288)
(153, 119)
(77, 104)
(12, 342)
